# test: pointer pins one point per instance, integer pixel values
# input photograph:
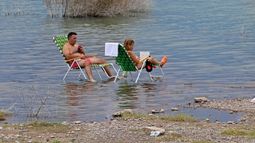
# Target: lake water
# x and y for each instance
(210, 46)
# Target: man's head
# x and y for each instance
(72, 38)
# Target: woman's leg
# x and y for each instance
(156, 62)
(153, 61)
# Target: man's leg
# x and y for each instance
(87, 68)
(96, 60)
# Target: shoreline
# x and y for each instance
(133, 127)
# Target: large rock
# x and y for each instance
(200, 100)
(155, 131)
(120, 113)
(253, 100)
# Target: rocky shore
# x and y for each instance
(130, 127)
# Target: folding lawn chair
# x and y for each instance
(126, 65)
(60, 40)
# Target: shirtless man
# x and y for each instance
(72, 50)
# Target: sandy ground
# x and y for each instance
(133, 129)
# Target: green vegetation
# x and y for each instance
(48, 127)
(239, 132)
(202, 141)
(169, 137)
(173, 118)
(3, 115)
(56, 141)
(178, 118)
(96, 8)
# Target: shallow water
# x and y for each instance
(210, 45)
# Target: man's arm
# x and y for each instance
(68, 55)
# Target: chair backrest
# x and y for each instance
(124, 60)
(60, 41)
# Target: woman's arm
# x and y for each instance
(134, 57)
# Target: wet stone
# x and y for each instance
(200, 100)
(174, 109)
(120, 113)
(157, 111)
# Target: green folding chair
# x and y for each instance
(126, 65)
(60, 41)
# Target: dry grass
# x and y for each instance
(4, 114)
(239, 132)
(171, 118)
(169, 137)
(96, 8)
(48, 127)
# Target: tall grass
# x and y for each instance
(96, 8)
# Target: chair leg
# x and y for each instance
(69, 68)
(67, 73)
(102, 67)
(118, 72)
(98, 72)
(162, 71)
(113, 67)
(81, 70)
(140, 71)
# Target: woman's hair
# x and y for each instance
(128, 42)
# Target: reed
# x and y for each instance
(96, 8)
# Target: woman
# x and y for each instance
(129, 46)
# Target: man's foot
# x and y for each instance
(163, 61)
(111, 77)
(92, 80)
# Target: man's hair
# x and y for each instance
(71, 34)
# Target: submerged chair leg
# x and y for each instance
(113, 68)
(118, 72)
(139, 72)
(81, 71)
(67, 73)
(98, 73)
(69, 69)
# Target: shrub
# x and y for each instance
(96, 8)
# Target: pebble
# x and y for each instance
(253, 100)
(230, 122)
(64, 123)
(77, 122)
(155, 131)
(174, 109)
(157, 111)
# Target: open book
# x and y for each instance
(144, 55)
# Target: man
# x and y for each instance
(72, 51)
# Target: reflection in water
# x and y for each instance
(75, 93)
(127, 95)
(134, 95)
(149, 88)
